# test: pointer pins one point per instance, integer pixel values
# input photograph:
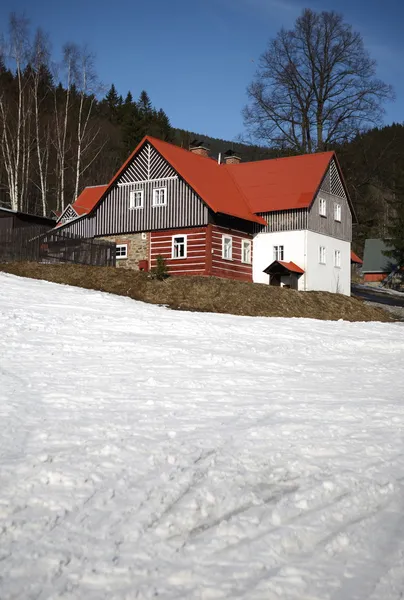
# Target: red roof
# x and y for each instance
(291, 266)
(281, 183)
(211, 181)
(85, 202)
(88, 199)
(239, 190)
(355, 258)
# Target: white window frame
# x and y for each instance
(132, 201)
(337, 212)
(224, 238)
(322, 255)
(337, 259)
(184, 237)
(322, 207)
(122, 257)
(159, 189)
(246, 243)
(279, 252)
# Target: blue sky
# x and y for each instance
(196, 57)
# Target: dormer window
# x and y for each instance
(323, 207)
(160, 196)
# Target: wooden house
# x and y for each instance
(15, 219)
(226, 219)
(17, 228)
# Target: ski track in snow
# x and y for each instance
(150, 453)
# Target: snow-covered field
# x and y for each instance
(147, 453)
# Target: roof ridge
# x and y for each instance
(278, 158)
(239, 188)
(209, 158)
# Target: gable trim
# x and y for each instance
(126, 184)
(65, 210)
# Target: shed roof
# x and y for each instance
(28, 216)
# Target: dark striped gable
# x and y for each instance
(147, 171)
(333, 190)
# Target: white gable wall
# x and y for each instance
(303, 248)
(328, 278)
(294, 243)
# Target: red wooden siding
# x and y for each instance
(204, 252)
(375, 276)
(193, 264)
(234, 268)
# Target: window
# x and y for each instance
(337, 212)
(179, 247)
(159, 196)
(227, 247)
(322, 255)
(246, 252)
(337, 258)
(136, 199)
(121, 251)
(323, 207)
(278, 253)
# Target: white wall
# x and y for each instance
(327, 277)
(302, 248)
(263, 253)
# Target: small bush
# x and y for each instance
(160, 271)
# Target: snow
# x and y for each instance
(150, 453)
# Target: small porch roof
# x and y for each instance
(279, 267)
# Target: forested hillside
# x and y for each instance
(57, 136)
(60, 130)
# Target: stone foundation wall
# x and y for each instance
(138, 249)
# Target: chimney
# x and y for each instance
(231, 158)
(197, 147)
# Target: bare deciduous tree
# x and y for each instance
(15, 114)
(39, 62)
(69, 68)
(316, 86)
(87, 85)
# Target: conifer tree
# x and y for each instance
(144, 104)
(395, 231)
(112, 104)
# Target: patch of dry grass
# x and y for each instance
(205, 294)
